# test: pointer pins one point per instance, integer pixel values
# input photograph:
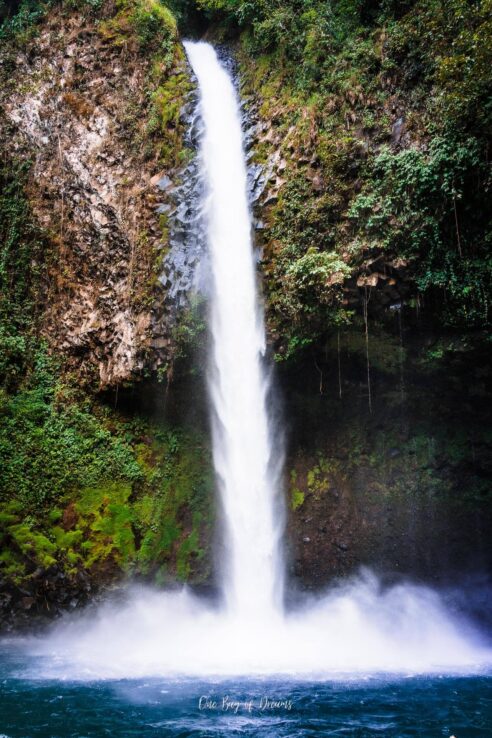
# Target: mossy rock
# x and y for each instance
(149, 22)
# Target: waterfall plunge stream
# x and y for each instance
(353, 629)
(242, 444)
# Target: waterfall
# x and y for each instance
(357, 627)
(238, 387)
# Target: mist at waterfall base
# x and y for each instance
(146, 656)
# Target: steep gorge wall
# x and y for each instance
(95, 108)
(100, 116)
(385, 397)
(371, 146)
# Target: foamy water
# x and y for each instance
(355, 629)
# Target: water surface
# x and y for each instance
(371, 705)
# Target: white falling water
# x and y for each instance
(242, 447)
(356, 628)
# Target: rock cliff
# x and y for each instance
(367, 142)
(100, 119)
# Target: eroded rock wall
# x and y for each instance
(83, 108)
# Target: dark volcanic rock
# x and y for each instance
(48, 594)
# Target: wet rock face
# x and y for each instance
(183, 267)
(48, 594)
(79, 107)
(401, 488)
(264, 179)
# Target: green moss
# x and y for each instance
(32, 544)
(149, 22)
(156, 129)
(105, 514)
(67, 539)
(164, 121)
(297, 498)
(143, 509)
(153, 20)
(55, 515)
(11, 566)
(296, 495)
(161, 520)
(317, 480)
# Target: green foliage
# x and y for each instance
(23, 252)
(155, 24)
(306, 36)
(49, 446)
(164, 121)
(335, 81)
(75, 493)
(20, 26)
(315, 272)
(448, 47)
(178, 515)
(296, 495)
(304, 274)
(430, 205)
(303, 34)
(20, 23)
(149, 23)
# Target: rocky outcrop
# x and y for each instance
(80, 106)
(47, 594)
